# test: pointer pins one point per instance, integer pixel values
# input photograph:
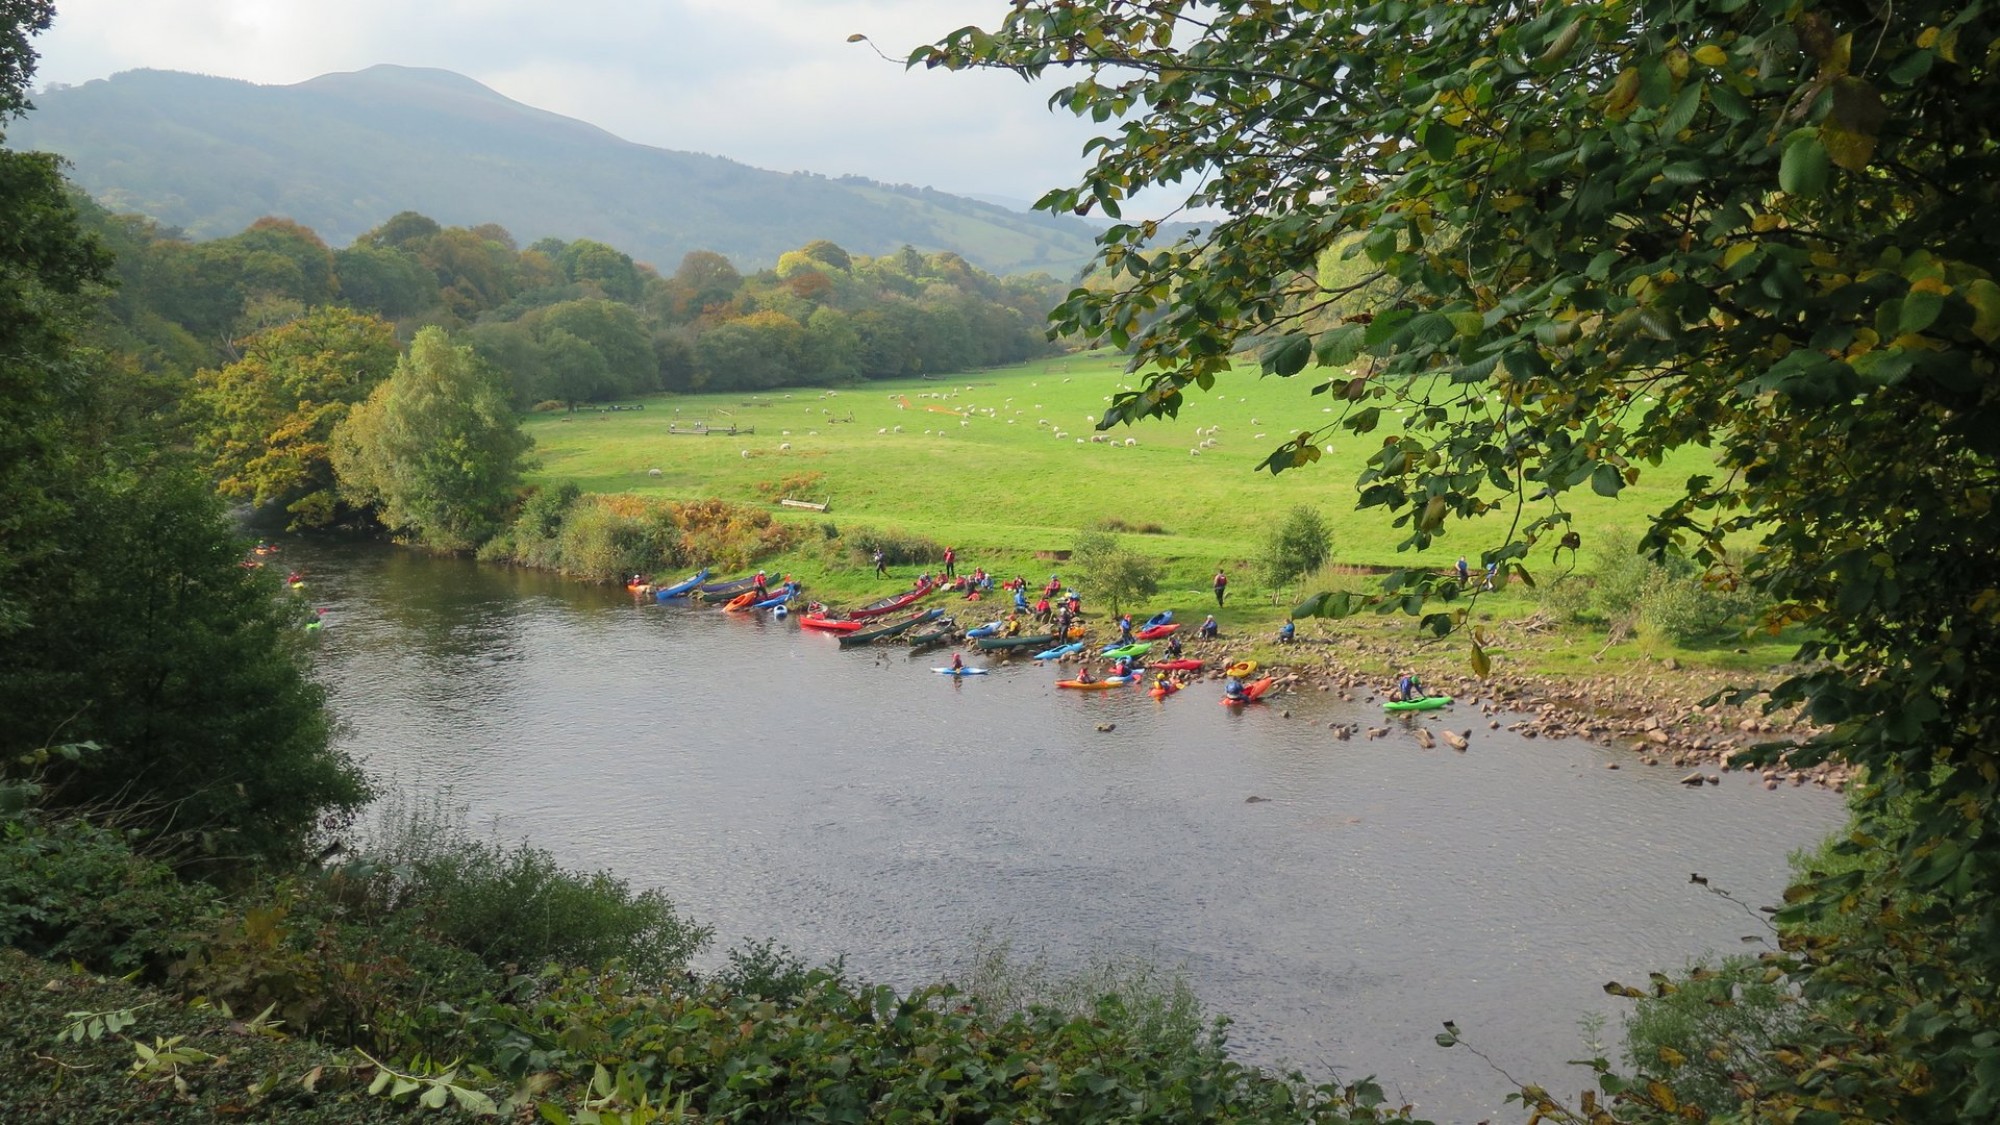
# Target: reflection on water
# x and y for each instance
(854, 803)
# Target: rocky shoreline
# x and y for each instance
(1654, 711)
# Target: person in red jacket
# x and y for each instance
(1221, 584)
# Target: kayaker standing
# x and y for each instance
(951, 562)
(881, 564)
(758, 587)
(1464, 571)
(1125, 629)
(1221, 584)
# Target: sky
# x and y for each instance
(770, 83)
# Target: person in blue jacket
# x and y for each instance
(1286, 632)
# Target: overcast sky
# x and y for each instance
(772, 83)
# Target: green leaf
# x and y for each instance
(1984, 296)
(1288, 356)
(435, 1097)
(1803, 169)
(1920, 310)
(1440, 141)
(1606, 480)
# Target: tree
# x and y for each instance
(267, 417)
(435, 451)
(1106, 571)
(1605, 231)
(1298, 546)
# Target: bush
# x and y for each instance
(1713, 1027)
(899, 548)
(1620, 582)
(1567, 600)
(1107, 572)
(771, 971)
(1114, 524)
(1688, 610)
(1299, 545)
(73, 891)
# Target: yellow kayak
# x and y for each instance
(1241, 668)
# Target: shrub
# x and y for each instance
(73, 891)
(1687, 610)
(771, 971)
(1712, 1028)
(1299, 545)
(1620, 581)
(899, 548)
(1114, 524)
(1566, 600)
(1107, 572)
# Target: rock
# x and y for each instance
(1255, 800)
(1713, 779)
(1284, 714)
(1672, 665)
(1453, 739)
(1611, 765)
(1107, 726)
(1424, 738)
(1694, 778)
(1494, 725)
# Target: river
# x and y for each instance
(854, 803)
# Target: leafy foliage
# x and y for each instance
(1299, 545)
(1107, 571)
(435, 449)
(1602, 231)
(72, 891)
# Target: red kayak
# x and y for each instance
(831, 624)
(1252, 692)
(1184, 664)
(1155, 632)
(890, 604)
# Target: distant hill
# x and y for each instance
(343, 152)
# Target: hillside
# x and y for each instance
(343, 152)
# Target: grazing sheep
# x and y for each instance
(784, 433)
(652, 472)
(784, 445)
(1131, 441)
(746, 455)
(1097, 439)
(899, 429)
(883, 430)
(1194, 453)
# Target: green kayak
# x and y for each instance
(1427, 703)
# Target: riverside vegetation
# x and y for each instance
(171, 826)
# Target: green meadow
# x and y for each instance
(1001, 464)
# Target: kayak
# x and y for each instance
(1252, 692)
(679, 589)
(849, 640)
(728, 588)
(830, 624)
(943, 631)
(960, 671)
(890, 604)
(1094, 685)
(1241, 668)
(1158, 619)
(742, 601)
(1060, 651)
(991, 628)
(1155, 632)
(1427, 703)
(1185, 664)
(780, 598)
(1137, 648)
(1032, 640)
(1161, 691)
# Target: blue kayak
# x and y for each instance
(680, 589)
(780, 598)
(960, 671)
(990, 629)
(1060, 651)
(1158, 620)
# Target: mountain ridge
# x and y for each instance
(342, 152)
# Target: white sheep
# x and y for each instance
(1131, 441)
(784, 433)
(652, 472)
(899, 429)
(883, 430)
(784, 445)
(1194, 453)
(746, 455)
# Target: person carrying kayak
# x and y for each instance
(1409, 688)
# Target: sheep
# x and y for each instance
(883, 430)
(1194, 453)
(899, 429)
(784, 433)
(746, 455)
(1131, 441)
(652, 472)
(1097, 439)
(784, 445)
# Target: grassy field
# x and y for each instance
(1000, 464)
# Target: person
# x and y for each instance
(957, 662)
(1042, 610)
(1020, 602)
(1054, 587)
(1125, 629)
(1013, 628)
(1209, 629)
(881, 564)
(1122, 666)
(1083, 675)
(1287, 631)
(1232, 688)
(1464, 571)
(1492, 573)
(1174, 647)
(1221, 584)
(1063, 622)
(1409, 688)
(1074, 604)
(950, 562)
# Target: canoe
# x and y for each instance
(1030, 640)
(727, 588)
(890, 604)
(1158, 619)
(960, 671)
(944, 631)
(1060, 651)
(1155, 632)
(990, 629)
(1252, 692)
(830, 624)
(1427, 703)
(848, 640)
(1094, 685)
(679, 589)
(1241, 668)
(1185, 664)
(1137, 648)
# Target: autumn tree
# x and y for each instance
(267, 418)
(1595, 233)
(435, 451)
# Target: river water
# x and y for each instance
(852, 802)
